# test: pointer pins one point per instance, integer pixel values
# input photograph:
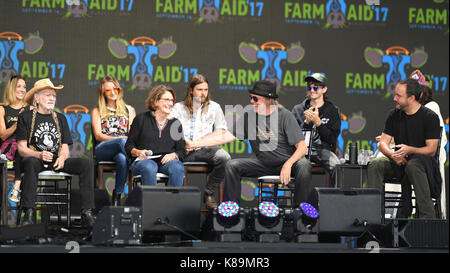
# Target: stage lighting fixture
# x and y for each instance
(268, 219)
(305, 222)
(229, 221)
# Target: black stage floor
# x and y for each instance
(209, 248)
(78, 240)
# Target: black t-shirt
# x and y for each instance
(11, 117)
(412, 130)
(45, 134)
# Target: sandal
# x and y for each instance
(14, 196)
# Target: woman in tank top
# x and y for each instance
(111, 121)
(13, 104)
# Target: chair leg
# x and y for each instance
(69, 190)
(221, 192)
(275, 194)
(327, 179)
(130, 182)
(18, 214)
(185, 177)
(100, 177)
(259, 191)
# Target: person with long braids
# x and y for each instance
(43, 138)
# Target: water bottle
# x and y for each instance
(353, 153)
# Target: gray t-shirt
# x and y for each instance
(272, 137)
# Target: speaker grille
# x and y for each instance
(421, 233)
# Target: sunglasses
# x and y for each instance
(315, 88)
(109, 91)
(255, 99)
(168, 100)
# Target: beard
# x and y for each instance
(49, 107)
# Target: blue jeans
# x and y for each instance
(114, 150)
(148, 169)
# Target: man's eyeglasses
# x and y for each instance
(315, 88)
(255, 99)
(168, 100)
(109, 91)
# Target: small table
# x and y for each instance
(350, 175)
(4, 170)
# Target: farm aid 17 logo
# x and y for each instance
(396, 62)
(78, 8)
(143, 63)
(13, 61)
(335, 13)
(269, 60)
(208, 11)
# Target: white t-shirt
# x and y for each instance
(200, 124)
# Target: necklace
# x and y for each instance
(161, 124)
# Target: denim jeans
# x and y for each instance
(114, 150)
(148, 169)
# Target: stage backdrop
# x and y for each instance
(363, 46)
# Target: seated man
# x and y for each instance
(318, 113)
(203, 119)
(43, 139)
(416, 132)
(277, 142)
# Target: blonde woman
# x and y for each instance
(13, 104)
(111, 121)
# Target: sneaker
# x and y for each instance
(15, 196)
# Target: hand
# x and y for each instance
(189, 146)
(59, 163)
(285, 174)
(403, 150)
(399, 159)
(168, 157)
(141, 154)
(312, 115)
(46, 156)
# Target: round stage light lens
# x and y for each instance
(228, 209)
(309, 210)
(269, 209)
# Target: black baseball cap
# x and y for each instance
(264, 88)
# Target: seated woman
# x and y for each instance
(111, 121)
(13, 104)
(155, 133)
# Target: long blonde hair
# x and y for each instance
(9, 96)
(121, 109)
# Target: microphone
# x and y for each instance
(148, 152)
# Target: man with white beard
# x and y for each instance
(43, 139)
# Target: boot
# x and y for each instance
(87, 218)
(115, 198)
(29, 217)
(210, 202)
